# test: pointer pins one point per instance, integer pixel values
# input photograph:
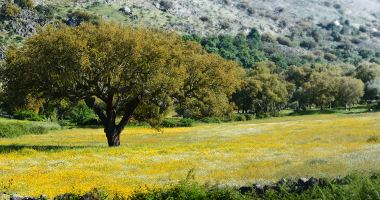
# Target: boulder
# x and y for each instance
(16, 197)
(322, 182)
(273, 187)
(245, 189)
(259, 188)
(43, 197)
(30, 198)
(302, 183)
(125, 10)
(312, 181)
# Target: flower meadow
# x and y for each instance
(77, 160)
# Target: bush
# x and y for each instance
(268, 37)
(166, 4)
(327, 4)
(225, 25)
(11, 130)
(29, 115)
(309, 57)
(81, 114)
(210, 120)
(170, 123)
(205, 19)
(239, 118)
(337, 6)
(9, 11)
(25, 4)
(244, 4)
(251, 11)
(270, 50)
(284, 41)
(308, 44)
(329, 56)
(262, 115)
(248, 117)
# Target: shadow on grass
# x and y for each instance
(50, 148)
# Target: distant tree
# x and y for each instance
(366, 71)
(205, 19)
(166, 4)
(135, 72)
(318, 53)
(251, 10)
(321, 88)
(296, 75)
(300, 96)
(280, 9)
(317, 37)
(347, 22)
(350, 90)
(356, 40)
(268, 37)
(310, 44)
(46, 11)
(282, 23)
(270, 50)
(254, 34)
(372, 89)
(327, 4)
(366, 53)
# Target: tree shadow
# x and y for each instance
(48, 148)
(331, 111)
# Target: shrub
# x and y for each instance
(166, 4)
(329, 56)
(318, 53)
(225, 25)
(337, 6)
(81, 114)
(85, 16)
(373, 139)
(9, 11)
(270, 50)
(19, 38)
(309, 57)
(356, 40)
(210, 120)
(284, 41)
(185, 122)
(205, 19)
(327, 4)
(362, 28)
(240, 118)
(29, 115)
(308, 44)
(226, 2)
(262, 115)
(248, 117)
(280, 9)
(25, 4)
(251, 11)
(11, 130)
(268, 37)
(282, 24)
(243, 4)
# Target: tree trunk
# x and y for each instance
(350, 107)
(322, 107)
(310, 106)
(345, 106)
(330, 105)
(110, 128)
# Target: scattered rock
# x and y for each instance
(340, 181)
(216, 187)
(282, 182)
(259, 188)
(322, 182)
(63, 197)
(235, 187)
(30, 198)
(312, 181)
(43, 197)
(125, 10)
(16, 197)
(245, 189)
(374, 176)
(273, 187)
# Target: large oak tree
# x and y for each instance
(129, 69)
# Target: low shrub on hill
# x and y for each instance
(210, 120)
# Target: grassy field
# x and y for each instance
(77, 160)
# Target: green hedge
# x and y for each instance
(169, 123)
(15, 129)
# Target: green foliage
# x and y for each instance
(248, 117)
(329, 57)
(374, 139)
(239, 118)
(84, 16)
(9, 11)
(25, 4)
(210, 120)
(309, 44)
(366, 53)
(268, 37)
(82, 114)
(254, 34)
(284, 41)
(170, 123)
(166, 4)
(11, 130)
(45, 11)
(29, 115)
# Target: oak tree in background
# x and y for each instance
(350, 90)
(132, 70)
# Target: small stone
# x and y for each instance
(218, 186)
(259, 188)
(273, 187)
(16, 197)
(312, 181)
(302, 181)
(340, 181)
(30, 198)
(245, 189)
(322, 182)
(43, 197)
(374, 176)
(282, 182)
(292, 182)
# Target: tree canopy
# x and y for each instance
(132, 70)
